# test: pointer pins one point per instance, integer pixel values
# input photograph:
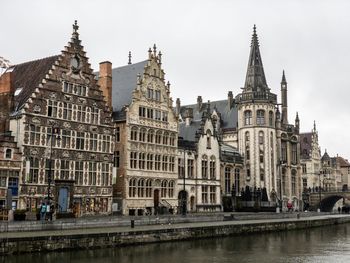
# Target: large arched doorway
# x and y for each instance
(182, 202)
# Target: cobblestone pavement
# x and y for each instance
(160, 226)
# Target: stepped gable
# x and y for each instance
(124, 82)
(28, 76)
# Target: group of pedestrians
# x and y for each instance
(46, 211)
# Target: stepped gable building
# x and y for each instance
(310, 158)
(146, 136)
(335, 173)
(252, 123)
(57, 104)
(218, 166)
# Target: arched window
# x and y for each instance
(149, 161)
(294, 182)
(142, 136)
(204, 167)
(248, 117)
(140, 188)
(165, 163)
(150, 136)
(208, 139)
(133, 135)
(271, 118)
(260, 117)
(133, 160)
(247, 145)
(171, 189)
(165, 138)
(159, 137)
(142, 160)
(237, 180)
(261, 137)
(227, 180)
(163, 188)
(172, 139)
(294, 153)
(149, 188)
(8, 154)
(212, 168)
(132, 187)
(34, 170)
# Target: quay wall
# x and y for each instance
(135, 236)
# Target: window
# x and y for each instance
(142, 112)
(80, 114)
(67, 111)
(149, 93)
(171, 189)
(262, 175)
(157, 115)
(237, 180)
(157, 162)
(34, 137)
(48, 172)
(93, 141)
(8, 154)
(204, 167)
(149, 188)
(165, 138)
(3, 180)
(247, 146)
(158, 137)
(271, 118)
(150, 136)
(208, 139)
(140, 188)
(212, 194)
(52, 109)
(227, 180)
(149, 113)
(133, 135)
(157, 93)
(66, 135)
(94, 115)
(294, 153)
(303, 165)
(261, 137)
(248, 117)
(212, 168)
(106, 143)
(117, 134)
(149, 161)
(172, 139)
(80, 140)
(171, 163)
(204, 194)
(190, 168)
(33, 170)
(165, 163)
(142, 160)
(165, 116)
(181, 168)
(283, 180)
(133, 160)
(260, 117)
(163, 188)
(304, 183)
(132, 187)
(79, 172)
(284, 151)
(142, 137)
(105, 174)
(92, 173)
(294, 182)
(116, 159)
(64, 170)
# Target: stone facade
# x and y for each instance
(59, 113)
(146, 144)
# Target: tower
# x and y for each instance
(284, 99)
(257, 124)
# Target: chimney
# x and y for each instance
(199, 103)
(178, 105)
(188, 115)
(230, 99)
(105, 81)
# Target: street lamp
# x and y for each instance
(54, 131)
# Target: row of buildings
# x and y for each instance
(93, 141)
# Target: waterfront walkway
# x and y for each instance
(165, 224)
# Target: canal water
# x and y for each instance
(328, 244)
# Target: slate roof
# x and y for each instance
(343, 162)
(305, 145)
(124, 80)
(188, 133)
(28, 76)
(231, 154)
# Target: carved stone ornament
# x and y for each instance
(80, 156)
(93, 156)
(34, 151)
(82, 101)
(53, 96)
(81, 127)
(65, 154)
(67, 98)
(106, 131)
(87, 81)
(92, 190)
(106, 158)
(66, 125)
(36, 120)
(93, 128)
(37, 109)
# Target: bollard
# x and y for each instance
(132, 223)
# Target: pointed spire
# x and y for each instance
(208, 108)
(283, 78)
(255, 77)
(297, 117)
(154, 50)
(314, 125)
(149, 54)
(129, 61)
(160, 57)
(75, 34)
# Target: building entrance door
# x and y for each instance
(63, 199)
(156, 200)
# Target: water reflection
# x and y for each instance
(329, 244)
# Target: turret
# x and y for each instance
(297, 122)
(199, 103)
(284, 99)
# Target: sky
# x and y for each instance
(205, 46)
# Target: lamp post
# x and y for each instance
(54, 131)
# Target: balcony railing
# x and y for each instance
(257, 96)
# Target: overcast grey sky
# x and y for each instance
(205, 46)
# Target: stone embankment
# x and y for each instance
(166, 229)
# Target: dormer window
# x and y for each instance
(8, 154)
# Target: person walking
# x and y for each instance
(42, 212)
